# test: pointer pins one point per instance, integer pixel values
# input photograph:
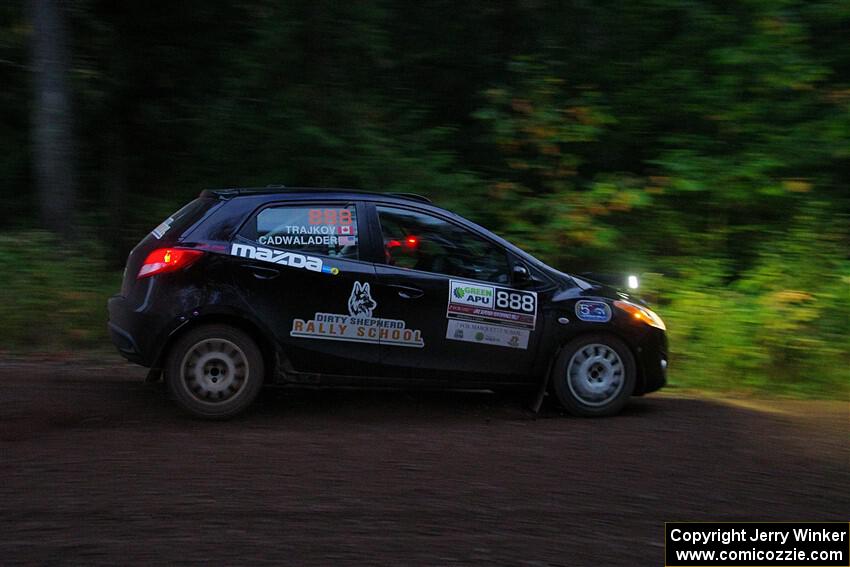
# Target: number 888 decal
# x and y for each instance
(330, 216)
(523, 302)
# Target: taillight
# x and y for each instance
(164, 260)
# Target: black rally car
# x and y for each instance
(243, 287)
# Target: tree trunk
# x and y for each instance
(52, 138)
(118, 193)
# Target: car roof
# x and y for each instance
(275, 190)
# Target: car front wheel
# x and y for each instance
(214, 371)
(594, 375)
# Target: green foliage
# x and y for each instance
(782, 327)
(543, 131)
(54, 296)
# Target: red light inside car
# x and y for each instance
(411, 241)
(164, 260)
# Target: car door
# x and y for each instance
(452, 286)
(298, 267)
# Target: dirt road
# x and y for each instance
(98, 468)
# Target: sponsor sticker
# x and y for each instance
(593, 311)
(492, 304)
(282, 258)
(359, 325)
(162, 228)
(496, 335)
(472, 294)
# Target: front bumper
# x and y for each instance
(652, 358)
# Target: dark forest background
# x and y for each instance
(702, 144)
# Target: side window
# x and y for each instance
(326, 230)
(423, 242)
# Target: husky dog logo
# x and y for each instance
(361, 303)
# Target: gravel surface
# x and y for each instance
(98, 468)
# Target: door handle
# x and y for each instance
(264, 273)
(408, 292)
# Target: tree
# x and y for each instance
(53, 149)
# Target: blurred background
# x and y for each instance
(704, 145)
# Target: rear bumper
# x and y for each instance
(124, 329)
(124, 342)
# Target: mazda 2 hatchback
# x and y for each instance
(323, 287)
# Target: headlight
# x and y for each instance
(640, 313)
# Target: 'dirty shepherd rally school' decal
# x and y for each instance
(359, 325)
(491, 315)
(291, 259)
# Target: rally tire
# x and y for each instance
(594, 375)
(214, 371)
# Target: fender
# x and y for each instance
(224, 314)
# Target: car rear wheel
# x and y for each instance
(214, 371)
(594, 375)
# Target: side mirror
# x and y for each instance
(520, 274)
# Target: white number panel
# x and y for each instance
(492, 304)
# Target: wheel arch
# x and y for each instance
(640, 379)
(271, 354)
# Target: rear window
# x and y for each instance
(326, 230)
(183, 218)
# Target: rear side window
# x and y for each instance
(326, 230)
